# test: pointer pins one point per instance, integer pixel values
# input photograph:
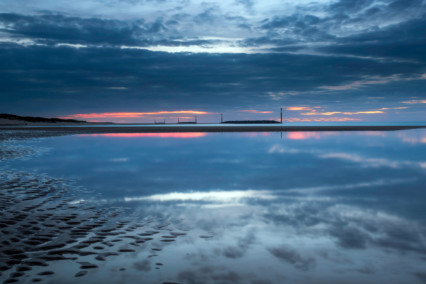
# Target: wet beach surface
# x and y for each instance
(307, 207)
(42, 223)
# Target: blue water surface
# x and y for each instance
(291, 207)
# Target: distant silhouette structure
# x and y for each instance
(251, 121)
(187, 122)
(159, 121)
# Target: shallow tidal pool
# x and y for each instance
(291, 207)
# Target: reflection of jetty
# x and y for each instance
(251, 121)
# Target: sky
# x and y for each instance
(146, 60)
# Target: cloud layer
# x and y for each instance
(242, 58)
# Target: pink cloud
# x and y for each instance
(301, 108)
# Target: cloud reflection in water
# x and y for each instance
(211, 196)
(154, 135)
(329, 207)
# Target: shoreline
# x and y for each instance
(71, 129)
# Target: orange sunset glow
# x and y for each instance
(131, 114)
(301, 108)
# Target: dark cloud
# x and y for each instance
(350, 237)
(227, 277)
(401, 5)
(219, 275)
(210, 274)
(261, 281)
(350, 230)
(367, 270)
(405, 41)
(299, 26)
(143, 265)
(368, 16)
(65, 76)
(421, 276)
(370, 12)
(294, 258)
(209, 16)
(190, 277)
(248, 4)
(241, 248)
(350, 6)
(316, 45)
(233, 252)
(52, 29)
(77, 30)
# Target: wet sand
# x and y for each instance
(89, 129)
(41, 225)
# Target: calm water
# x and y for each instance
(224, 125)
(297, 207)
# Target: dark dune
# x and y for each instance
(37, 119)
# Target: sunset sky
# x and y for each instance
(140, 60)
